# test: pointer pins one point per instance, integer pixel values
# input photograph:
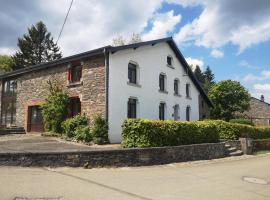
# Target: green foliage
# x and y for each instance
(83, 133)
(35, 47)
(149, 133)
(229, 97)
(99, 129)
(70, 125)
(6, 63)
(242, 121)
(54, 110)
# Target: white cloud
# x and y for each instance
(217, 53)
(264, 75)
(262, 87)
(193, 62)
(163, 24)
(227, 21)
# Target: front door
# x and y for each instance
(35, 119)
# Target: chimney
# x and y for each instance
(262, 98)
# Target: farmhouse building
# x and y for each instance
(143, 80)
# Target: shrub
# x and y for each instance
(242, 121)
(54, 110)
(99, 129)
(70, 125)
(150, 133)
(82, 133)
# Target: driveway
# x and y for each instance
(244, 178)
(36, 143)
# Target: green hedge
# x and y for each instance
(242, 121)
(149, 133)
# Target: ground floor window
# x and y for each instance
(132, 108)
(8, 114)
(74, 106)
(176, 112)
(162, 111)
(188, 113)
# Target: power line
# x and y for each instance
(64, 21)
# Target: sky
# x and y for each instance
(230, 36)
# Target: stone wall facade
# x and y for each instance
(32, 88)
(117, 158)
(204, 109)
(259, 112)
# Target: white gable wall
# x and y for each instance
(152, 61)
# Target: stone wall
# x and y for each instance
(262, 144)
(32, 88)
(204, 109)
(117, 158)
(259, 112)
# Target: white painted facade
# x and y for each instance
(151, 61)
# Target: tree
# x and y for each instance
(229, 97)
(199, 75)
(6, 63)
(209, 79)
(55, 107)
(35, 47)
(120, 40)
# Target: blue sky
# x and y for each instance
(231, 36)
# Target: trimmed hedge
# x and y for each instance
(149, 133)
(242, 121)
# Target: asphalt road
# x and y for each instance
(219, 179)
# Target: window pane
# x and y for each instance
(76, 73)
(187, 90)
(176, 83)
(169, 60)
(132, 73)
(162, 82)
(132, 108)
(162, 111)
(188, 113)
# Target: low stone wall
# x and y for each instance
(117, 158)
(262, 144)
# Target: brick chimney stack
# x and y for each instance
(262, 98)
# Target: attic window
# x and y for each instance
(75, 72)
(169, 60)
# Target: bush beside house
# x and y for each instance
(151, 133)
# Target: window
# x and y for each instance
(162, 111)
(188, 90)
(176, 112)
(176, 86)
(162, 78)
(132, 108)
(188, 113)
(75, 72)
(74, 106)
(169, 60)
(132, 73)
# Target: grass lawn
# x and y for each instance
(262, 152)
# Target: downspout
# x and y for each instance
(106, 56)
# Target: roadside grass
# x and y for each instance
(262, 152)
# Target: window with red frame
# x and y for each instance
(75, 72)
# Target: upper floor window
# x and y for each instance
(132, 73)
(176, 86)
(162, 111)
(162, 82)
(9, 87)
(188, 113)
(188, 90)
(75, 72)
(169, 61)
(132, 108)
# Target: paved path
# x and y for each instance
(36, 143)
(204, 180)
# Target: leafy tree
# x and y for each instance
(55, 108)
(229, 97)
(35, 47)
(199, 75)
(6, 63)
(120, 40)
